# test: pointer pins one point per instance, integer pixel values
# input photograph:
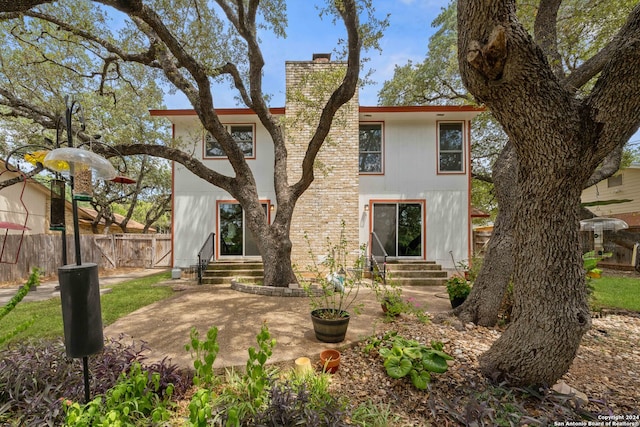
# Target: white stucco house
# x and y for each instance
(402, 173)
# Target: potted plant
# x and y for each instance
(458, 289)
(389, 295)
(333, 290)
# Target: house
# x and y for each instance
(402, 173)
(25, 203)
(86, 216)
(616, 197)
(29, 204)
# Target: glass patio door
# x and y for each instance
(234, 238)
(399, 228)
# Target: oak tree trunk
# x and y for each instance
(550, 312)
(559, 139)
(276, 259)
(483, 303)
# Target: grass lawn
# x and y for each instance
(124, 298)
(617, 292)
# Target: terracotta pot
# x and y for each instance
(330, 360)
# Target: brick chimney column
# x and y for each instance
(333, 196)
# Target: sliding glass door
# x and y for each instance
(235, 239)
(399, 226)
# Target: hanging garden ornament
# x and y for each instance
(83, 164)
(121, 179)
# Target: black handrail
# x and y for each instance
(205, 255)
(373, 261)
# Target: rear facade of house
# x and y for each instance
(398, 177)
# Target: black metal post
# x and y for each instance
(76, 234)
(76, 227)
(85, 368)
(74, 202)
(64, 246)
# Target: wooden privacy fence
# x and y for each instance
(107, 250)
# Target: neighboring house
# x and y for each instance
(617, 197)
(25, 203)
(401, 172)
(35, 206)
(86, 216)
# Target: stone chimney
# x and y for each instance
(333, 196)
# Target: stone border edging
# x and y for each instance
(294, 290)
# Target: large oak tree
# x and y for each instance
(191, 44)
(560, 136)
(581, 29)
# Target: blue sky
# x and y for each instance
(406, 38)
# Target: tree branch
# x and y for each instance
(20, 5)
(546, 34)
(610, 165)
(192, 164)
(614, 104)
(349, 13)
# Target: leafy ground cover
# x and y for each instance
(362, 392)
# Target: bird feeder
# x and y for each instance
(57, 222)
(598, 226)
(83, 165)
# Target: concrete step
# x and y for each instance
(395, 274)
(227, 280)
(416, 273)
(233, 273)
(230, 266)
(221, 273)
(420, 281)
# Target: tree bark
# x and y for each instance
(483, 303)
(559, 140)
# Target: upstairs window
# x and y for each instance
(241, 134)
(614, 181)
(450, 147)
(370, 144)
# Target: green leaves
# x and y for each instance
(435, 363)
(409, 357)
(397, 367)
(204, 354)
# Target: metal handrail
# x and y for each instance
(205, 255)
(373, 262)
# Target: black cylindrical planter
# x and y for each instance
(81, 311)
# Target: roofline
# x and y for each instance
(219, 111)
(362, 109)
(420, 108)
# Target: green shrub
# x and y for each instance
(136, 397)
(404, 357)
(35, 377)
(33, 281)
